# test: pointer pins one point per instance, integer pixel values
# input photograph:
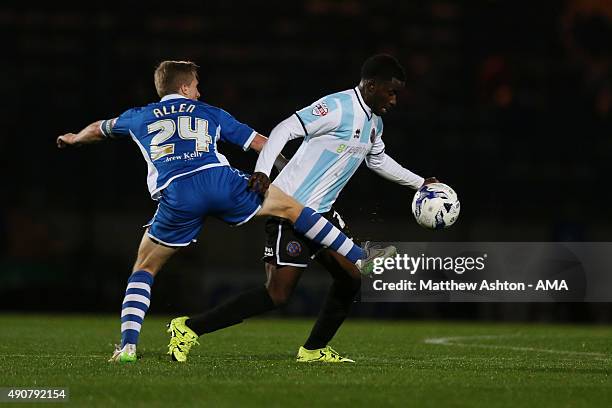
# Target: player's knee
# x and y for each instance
(293, 213)
(281, 282)
(280, 295)
(288, 211)
(291, 210)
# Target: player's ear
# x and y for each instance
(184, 89)
(371, 85)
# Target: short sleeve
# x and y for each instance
(321, 117)
(235, 132)
(118, 127)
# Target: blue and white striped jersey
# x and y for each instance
(178, 136)
(340, 130)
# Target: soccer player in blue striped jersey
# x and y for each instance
(191, 179)
(340, 131)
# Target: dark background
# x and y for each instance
(509, 104)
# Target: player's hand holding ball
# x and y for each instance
(435, 205)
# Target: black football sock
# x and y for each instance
(337, 306)
(247, 304)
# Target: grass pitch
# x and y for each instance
(398, 364)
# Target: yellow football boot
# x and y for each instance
(182, 338)
(325, 355)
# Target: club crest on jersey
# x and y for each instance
(294, 248)
(320, 109)
(372, 135)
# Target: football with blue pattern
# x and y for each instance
(435, 206)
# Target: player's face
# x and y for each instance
(191, 90)
(384, 95)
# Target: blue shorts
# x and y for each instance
(220, 192)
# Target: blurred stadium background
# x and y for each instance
(510, 104)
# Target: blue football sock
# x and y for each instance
(135, 305)
(318, 229)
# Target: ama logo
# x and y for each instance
(320, 109)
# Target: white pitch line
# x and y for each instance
(457, 341)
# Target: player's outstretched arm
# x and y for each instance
(258, 144)
(260, 182)
(90, 134)
(386, 167)
(270, 154)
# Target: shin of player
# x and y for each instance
(150, 259)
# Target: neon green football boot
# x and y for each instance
(324, 355)
(127, 354)
(182, 338)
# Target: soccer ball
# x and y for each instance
(435, 206)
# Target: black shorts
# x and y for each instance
(285, 246)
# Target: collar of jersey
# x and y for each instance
(362, 103)
(172, 96)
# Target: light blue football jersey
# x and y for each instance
(341, 130)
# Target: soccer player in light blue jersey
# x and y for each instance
(340, 131)
(191, 179)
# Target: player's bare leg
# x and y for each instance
(150, 259)
(279, 204)
(152, 256)
(281, 282)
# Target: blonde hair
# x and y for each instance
(171, 75)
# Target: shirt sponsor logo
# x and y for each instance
(357, 150)
(187, 156)
(320, 109)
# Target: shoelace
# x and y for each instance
(116, 352)
(186, 341)
(334, 353)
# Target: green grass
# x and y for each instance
(253, 365)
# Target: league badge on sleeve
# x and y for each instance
(320, 109)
